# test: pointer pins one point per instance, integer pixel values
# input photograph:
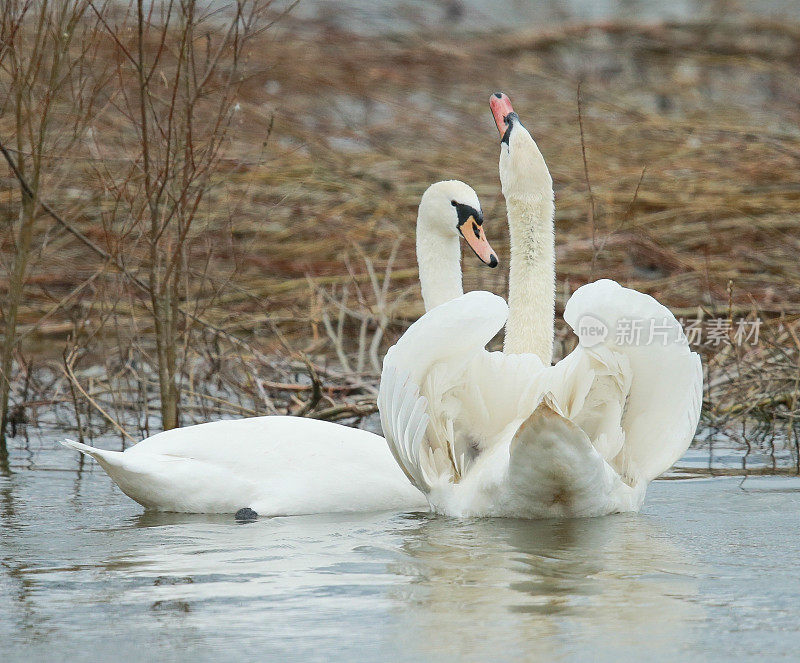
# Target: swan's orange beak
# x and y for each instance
(501, 109)
(473, 233)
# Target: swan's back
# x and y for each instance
(238, 443)
(276, 465)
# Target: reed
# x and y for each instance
(300, 255)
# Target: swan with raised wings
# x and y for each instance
(507, 434)
(282, 465)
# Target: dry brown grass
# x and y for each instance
(692, 152)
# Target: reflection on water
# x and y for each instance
(539, 584)
(86, 575)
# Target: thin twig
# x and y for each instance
(67, 370)
(592, 210)
(316, 393)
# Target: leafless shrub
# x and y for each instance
(50, 77)
(179, 69)
(753, 393)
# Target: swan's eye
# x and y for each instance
(453, 203)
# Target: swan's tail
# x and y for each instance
(105, 457)
(556, 471)
(171, 482)
(137, 477)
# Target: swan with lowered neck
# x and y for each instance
(282, 465)
(507, 434)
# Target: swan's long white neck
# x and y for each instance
(531, 287)
(531, 290)
(439, 259)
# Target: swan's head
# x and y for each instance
(451, 208)
(522, 167)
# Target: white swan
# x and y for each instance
(494, 434)
(281, 465)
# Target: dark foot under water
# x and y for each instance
(245, 514)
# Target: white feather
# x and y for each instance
(274, 465)
(583, 437)
(523, 438)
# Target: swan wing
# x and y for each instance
(443, 398)
(636, 389)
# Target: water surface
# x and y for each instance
(706, 571)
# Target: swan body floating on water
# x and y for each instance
(507, 434)
(276, 465)
(282, 465)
